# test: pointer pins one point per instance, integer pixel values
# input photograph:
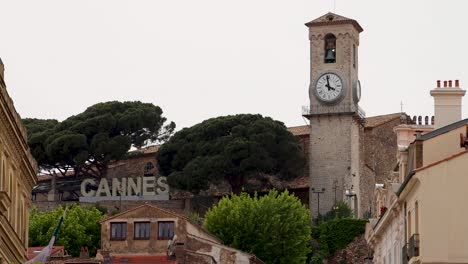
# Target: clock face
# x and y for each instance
(329, 87)
(357, 91)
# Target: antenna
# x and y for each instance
(401, 106)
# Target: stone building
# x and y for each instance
(150, 231)
(17, 178)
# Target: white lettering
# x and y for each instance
(129, 189)
(162, 182)
(132, 187)
(84, 183)
(149, 185)
(119, 188)
(103, 187)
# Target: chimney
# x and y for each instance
(447, 103)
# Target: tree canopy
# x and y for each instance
(87, 142)
(275, 227)
(79, 228)
(232, 148)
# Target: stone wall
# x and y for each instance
(355, 253)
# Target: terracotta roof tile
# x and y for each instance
(33, 251)
(374, 121)
(299, 130)
(147, 150)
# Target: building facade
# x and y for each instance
(421, 212)
(149, 231)
(17, 178)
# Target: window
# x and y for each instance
(416, 218)
(409, 225)
(149, 169)
(354, 56)
(330, 48)
(142, 230)
(166, 230)
(118, 231)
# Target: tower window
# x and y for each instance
(354, 56)
(330, 48)
(149, 169)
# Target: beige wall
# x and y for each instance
(17, 177)
(442, 146)
(442, 197)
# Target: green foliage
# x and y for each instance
(87, 142)
(232, 148)
(336, 234)
(275, 227)
(339, 210)
(79, 228)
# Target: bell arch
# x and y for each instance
(330, 48)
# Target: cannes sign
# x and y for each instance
(125, 189)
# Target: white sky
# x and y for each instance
(206, 58)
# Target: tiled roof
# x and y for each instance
(147, 150)
(299, 130)
(374, 121)
(334, 19)
(33, 251)
(298, 183)
(142, 259)
(140, 206)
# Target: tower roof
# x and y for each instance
(334, 19)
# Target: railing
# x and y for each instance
(404, 254)
(335, 109)
(413, 246)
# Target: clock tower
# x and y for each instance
(336, 121)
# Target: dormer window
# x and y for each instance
(330, 48)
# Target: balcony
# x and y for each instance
(413, 246)
(342, 108)
(404, 254)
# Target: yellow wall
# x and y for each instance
(443, 216)
(17, 177)
(442, 146)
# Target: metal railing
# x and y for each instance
(340, 108)
(404, 254)
(413, 246)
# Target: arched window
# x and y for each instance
(149, 169)
(330, 48)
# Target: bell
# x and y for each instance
(330, 57)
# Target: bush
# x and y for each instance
(79, 228)
(275, 227)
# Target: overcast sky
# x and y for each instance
(206, 58)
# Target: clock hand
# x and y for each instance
(328, 83)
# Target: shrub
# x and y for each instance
(275, 227)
